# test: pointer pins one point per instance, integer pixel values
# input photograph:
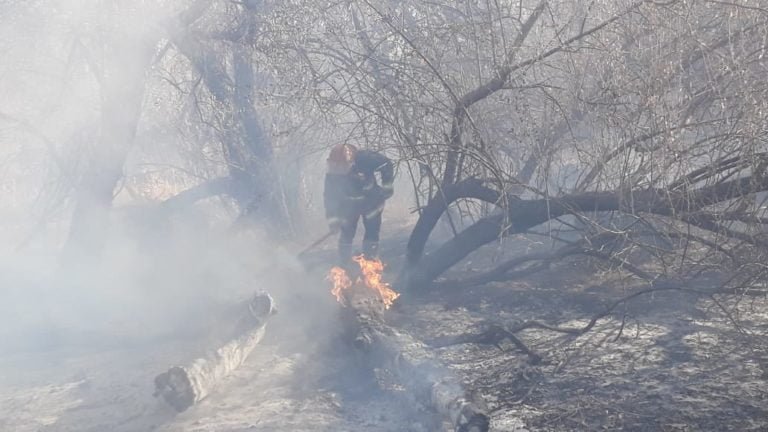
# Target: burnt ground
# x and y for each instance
(666, 361)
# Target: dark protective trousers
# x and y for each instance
(372, 225)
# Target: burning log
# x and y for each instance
(414, 365)
(183, 386)
(407, 358)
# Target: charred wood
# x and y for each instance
(510, 270)
(413, 364)
(494, 335)
(525, 214)
(431, 213)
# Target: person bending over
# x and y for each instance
(352, 192)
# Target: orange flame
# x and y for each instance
(341, 282)
(371, 278)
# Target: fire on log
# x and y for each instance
(370, 278)
(183, 386)
(407, 358)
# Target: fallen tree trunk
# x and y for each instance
(525, 214)
(183, 386)
(413, 364)
(431, 213)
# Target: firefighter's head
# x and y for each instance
(341, 159)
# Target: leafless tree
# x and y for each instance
(536, 109)
(544, 109)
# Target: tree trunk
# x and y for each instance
(431, 213)
(122, 95)
(183, 386)
(413, 364)
(122, 82)
(525, 214)
(188, 197)
(246, 145)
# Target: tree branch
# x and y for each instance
(526, 214)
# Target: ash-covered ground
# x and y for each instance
(289, 383)
(666, 361)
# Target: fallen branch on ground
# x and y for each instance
(496, 333)
(183, 386)
(507, 270)
(493, 335)
(413, 364)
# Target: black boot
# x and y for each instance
(345, 253)
(345, 257)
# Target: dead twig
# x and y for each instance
(496, 333)
(492, 335)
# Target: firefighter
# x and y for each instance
(352, 192)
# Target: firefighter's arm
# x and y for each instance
(387, 170)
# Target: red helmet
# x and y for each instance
(341, 159)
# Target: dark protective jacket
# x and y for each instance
(358, 192)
